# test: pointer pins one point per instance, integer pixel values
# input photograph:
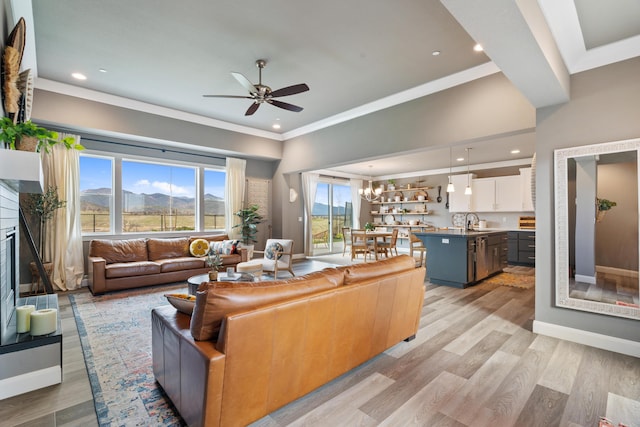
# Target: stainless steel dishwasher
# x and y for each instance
(481, 252)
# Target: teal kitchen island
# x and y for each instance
(461, 258)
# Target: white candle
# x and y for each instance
(23, 317)
(44, 321)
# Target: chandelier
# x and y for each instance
(370, 194)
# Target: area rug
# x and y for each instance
(514, 280)
(520, 269)
(115, 333)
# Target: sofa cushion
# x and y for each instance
(168, 248)
(215, 300)
(359, 272)
(179, 264)
(114, 251)
(199, 247)
(127, 269)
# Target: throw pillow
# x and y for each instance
(199, 248)
(226, 247)
(274, 251)
(182, 302)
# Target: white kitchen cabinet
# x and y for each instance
(483, 198)
(498, 194)
(458, 201)
(526, 185)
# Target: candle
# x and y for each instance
(44, 321)
(23, 317)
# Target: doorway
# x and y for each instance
(332, 210)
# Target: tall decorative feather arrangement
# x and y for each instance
(11, 65)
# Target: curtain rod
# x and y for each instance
(164, 150)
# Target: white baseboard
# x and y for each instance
(616, 271)
(586, 279)
(30, 381)
(605, 342)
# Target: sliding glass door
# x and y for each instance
(332, 210)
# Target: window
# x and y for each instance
(157, 197)
(96, 194)
(214, 199)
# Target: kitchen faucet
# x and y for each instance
(467, 222)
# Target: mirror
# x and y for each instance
(597, 219)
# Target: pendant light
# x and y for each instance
(467, 191)
(370, 194)
(450, 187)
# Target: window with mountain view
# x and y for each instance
(96, 194)
(213, 199)
(157, 197)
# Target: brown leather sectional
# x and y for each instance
(273, 342)
(132, 263)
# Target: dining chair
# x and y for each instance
(416, 245)
(359, 243)
(346, 239)
(388, 247)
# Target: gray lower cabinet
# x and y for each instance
(522, 248)
(461, 259)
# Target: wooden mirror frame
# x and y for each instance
(561, 157)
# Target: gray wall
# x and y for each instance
(484, 108)
(604, 106)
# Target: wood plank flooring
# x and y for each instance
(474, 362)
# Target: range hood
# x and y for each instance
(22, 170)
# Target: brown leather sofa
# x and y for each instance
(280, 340)
(132, 263)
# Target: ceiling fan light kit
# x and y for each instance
(261, 94)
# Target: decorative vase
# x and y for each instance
(213, 275)
(600, 215)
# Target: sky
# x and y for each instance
(341, 194)
(148, 178)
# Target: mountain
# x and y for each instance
(98, 199)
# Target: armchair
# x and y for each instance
(277, 255)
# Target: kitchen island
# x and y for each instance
(461, 258)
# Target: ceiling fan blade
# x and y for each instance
(244, 82)
(252, 109)
(285, 105)
(290, 90)
(228, 96)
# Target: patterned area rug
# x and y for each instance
(514, 280)
(115, 333)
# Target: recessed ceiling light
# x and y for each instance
(276, 126)
(460, 159)
(478, 47)
(516, 151)
(79, 76)
(435, 53)
(102, 70)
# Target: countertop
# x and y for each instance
(459, 232)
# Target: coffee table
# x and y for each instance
(195, 281)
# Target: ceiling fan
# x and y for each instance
(261, 93)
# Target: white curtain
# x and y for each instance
(234, 194)
(309, 186)
(356, 186)
(63, 234)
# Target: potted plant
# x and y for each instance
(27, 136)
(249, 220)
(392, 185)
(603, 205)
(43, 207)
(369, 227)
(214, 262)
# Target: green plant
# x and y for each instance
(392, 181)
(12, 133)
(43, 207)
(605, 205)
(249, 220)
(369, 227)
(214, 261)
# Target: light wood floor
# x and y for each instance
(475, 362)
(609, 288)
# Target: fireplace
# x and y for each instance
(8, 278)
